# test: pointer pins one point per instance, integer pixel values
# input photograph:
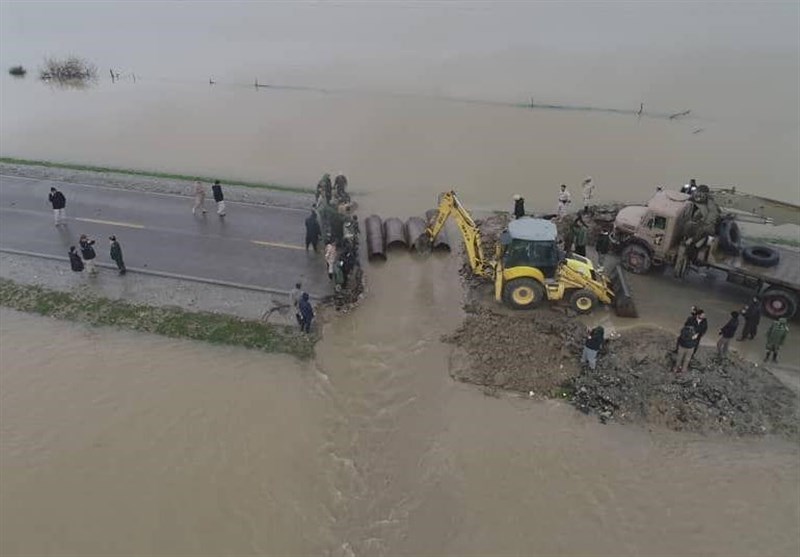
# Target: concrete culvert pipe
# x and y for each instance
(415, 232)
(394, 233)
(375, 241)
(442, 241)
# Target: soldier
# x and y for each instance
(776, 335)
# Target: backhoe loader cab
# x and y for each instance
(531, 242)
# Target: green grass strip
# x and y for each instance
(152, 174)
(168, 321)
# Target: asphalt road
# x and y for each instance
(253, 244)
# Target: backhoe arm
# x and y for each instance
(449, 205)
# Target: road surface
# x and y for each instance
(254, 245)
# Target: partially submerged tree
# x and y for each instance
(69, 69)
(17, 71)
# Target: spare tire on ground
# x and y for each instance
(763, 256)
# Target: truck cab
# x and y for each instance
(650, 235)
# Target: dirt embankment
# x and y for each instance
(540, 351)
(634, 382)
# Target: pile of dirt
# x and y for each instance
(633, 383)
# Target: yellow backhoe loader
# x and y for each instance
(527, 267)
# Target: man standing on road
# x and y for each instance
(564, 199)
(294, 301)
(116, 255)
(313, 231)
(726, 334)
(306, 313)
(752, 317)
(199, 197)
(216, 189)
(59, 203)
(75, 260)
(88, 254)
(594, 341)
(776, 334)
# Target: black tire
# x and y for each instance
(777, 303)
(583, 301)
(763, 256)
(636, 259)
(523, 293)
(730, 237)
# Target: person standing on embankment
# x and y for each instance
(752, 317)
(59, 204)
(726, 334)
(306, 313)
(564, 199)
(776, 335)
(216, 189)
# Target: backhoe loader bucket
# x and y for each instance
(623, 299)
(416, 236)
(441, 242)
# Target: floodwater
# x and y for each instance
(118, 443)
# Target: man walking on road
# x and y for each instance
(312, 231)
(199, 198)
(116, 255)
(776, 334)
(752, 317)
(216, 189)
(726, 334)
(88, 254)
(59, 203)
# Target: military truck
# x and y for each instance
(688, 229)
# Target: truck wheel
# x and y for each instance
(778, 303)
(583, 300)
(636, 259)
(763, 256)
(523, 293)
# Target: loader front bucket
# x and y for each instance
(623, 299)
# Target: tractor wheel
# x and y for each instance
(583, 301)
(523, 293)
(636, 259)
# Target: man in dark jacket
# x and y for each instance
(75, 260)
(306, 313)
(313, 231)
(689, 322)
(752, 316)
(726, 334)
(216, 189)
(687, 341)
(519, 206)
(592, 345)
(324, 188)
(602, 246)
(340, 187)
(700, 328)
(59, 204)
(88, 254)
(579, 235)
(116, 254)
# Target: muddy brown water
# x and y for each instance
(116, 443)
(119, 443)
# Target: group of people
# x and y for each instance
(329, 191)
(564, 199)
(200, 198)
(696, 326)
(83, 256)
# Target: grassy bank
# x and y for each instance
(168, 321)
(152, 174)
